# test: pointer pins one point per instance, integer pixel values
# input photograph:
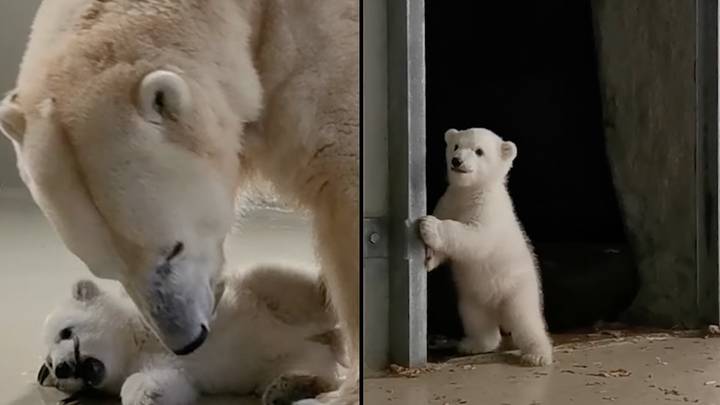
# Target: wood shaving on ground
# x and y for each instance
(406, 372)
(621, 372)
(457, 401)
(617, 334)
(658, 337)
(668, 391)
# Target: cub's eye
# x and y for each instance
(66, 334)
(479, 152)
(456, 147)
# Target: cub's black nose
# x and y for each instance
(64, 370)
(456, 162)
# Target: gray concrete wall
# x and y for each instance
(15, 19)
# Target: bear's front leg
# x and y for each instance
(452, 239)
(165, 386)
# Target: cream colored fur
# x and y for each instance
(475, 228)
(272, 323)
(137, 122)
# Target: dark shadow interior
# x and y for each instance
(529, 72)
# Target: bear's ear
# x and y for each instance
(12, 119)
(450, 135)
(508, 151)
(163, 95)
(85, 291)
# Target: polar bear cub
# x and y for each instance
(271, 323)
(474, 227)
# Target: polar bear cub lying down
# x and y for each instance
(475, 228)
(272, 329)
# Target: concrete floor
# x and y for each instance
(642, 370)
(37, 272)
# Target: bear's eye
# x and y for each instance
(456, 147)
(66, 334)
(479, 152)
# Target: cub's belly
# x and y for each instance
(486, 282)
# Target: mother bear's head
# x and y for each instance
(135, 162)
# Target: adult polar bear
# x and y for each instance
(136, 122)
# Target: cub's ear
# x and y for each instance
(508, 151)
(450, 135)
(163, 95)
(85, 291)
(12, 119)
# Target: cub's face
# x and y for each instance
(477, 157)
(87, 342)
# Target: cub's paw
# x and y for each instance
(430, 232)
(433, 259)
(159, 387)
(430, 259)
(537, 359)
(477, 346)
(139, 390)
(291, 389)
(346, 395)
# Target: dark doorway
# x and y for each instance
(528, 71)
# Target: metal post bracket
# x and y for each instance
(375, 238)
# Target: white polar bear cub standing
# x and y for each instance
(273, 335)
(474, 227)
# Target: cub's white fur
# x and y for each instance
(474, 227)
(271, 322)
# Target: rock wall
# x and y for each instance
(647, 65)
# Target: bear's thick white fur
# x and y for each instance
(136, 123)
(475, 228)
(272, 322)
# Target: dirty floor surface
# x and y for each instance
(36, 272)
(642, 370)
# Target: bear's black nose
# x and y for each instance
(64, 370)
(456, 162)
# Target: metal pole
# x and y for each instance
(406, 122)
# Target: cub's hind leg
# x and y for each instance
(482, 329)
(523, 318)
